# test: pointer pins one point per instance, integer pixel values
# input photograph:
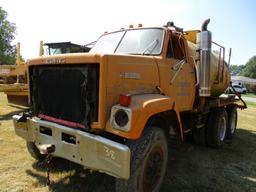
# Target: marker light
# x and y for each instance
(125, 100)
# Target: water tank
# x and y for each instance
(219, 71)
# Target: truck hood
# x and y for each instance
(75, 58)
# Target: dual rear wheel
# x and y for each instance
(220, 125)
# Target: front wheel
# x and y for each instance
(149, 156)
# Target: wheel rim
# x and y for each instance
(223, 127)
(153, 169)
(233, 123)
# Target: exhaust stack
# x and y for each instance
(205, 44)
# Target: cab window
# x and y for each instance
(176, 47)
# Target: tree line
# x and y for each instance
(7, 35)
(247, 70)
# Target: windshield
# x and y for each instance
(137, 41)
(54, 51)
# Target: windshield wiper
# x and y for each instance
(153, 44)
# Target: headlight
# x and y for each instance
(121, 118)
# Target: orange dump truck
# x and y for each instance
(114, 109)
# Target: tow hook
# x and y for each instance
(23, 117)
(48, 150)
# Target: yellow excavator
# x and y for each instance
(13, 81)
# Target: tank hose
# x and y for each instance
(240, 98)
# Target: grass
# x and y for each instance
(250, 104)
(191, 168)
(253, 95)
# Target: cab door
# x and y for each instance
(181, 72)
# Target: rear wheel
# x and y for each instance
(232, 122)
(34, 151)
(149, 157)
(216, 128)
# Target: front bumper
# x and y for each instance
(92, 151)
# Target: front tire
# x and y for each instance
(149, 156)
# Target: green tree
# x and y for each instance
(236, 69)
(250, 68)
(7, 32)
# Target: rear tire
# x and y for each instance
(34, 151)
(216, 128)
(232, 122)
(149, 156)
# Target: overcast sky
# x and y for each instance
(83, 21)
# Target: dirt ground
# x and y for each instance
(190, 168)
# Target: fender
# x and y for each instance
(142, 108)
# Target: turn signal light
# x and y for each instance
(125, 100)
